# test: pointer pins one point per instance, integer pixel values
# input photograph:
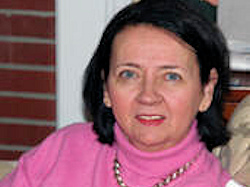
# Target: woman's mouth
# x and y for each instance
(150, 120)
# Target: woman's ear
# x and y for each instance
(106, 98)
(208, 90)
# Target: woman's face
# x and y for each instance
(154, 87)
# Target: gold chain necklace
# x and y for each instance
(164, 182)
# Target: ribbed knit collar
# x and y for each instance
(157, 164)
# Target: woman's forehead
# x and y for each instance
(146, 42)
(149, 31)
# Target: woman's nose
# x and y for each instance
(149, 92)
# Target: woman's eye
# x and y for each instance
(173, 76)
(128, 74)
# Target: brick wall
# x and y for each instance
(27, 74)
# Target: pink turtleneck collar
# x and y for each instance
(137, 164)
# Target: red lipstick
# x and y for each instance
(150, 120)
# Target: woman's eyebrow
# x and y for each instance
(128, 64)
(173, 67)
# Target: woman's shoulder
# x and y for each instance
(207, 166)
(77, 131)
(65, 148)
(211, 168)
(74, 140)
(74, 137)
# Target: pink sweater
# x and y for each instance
(72, 157)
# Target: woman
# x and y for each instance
(153, 90)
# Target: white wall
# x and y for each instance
(79, 27)
(234, 19)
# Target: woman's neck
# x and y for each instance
(157, 164)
